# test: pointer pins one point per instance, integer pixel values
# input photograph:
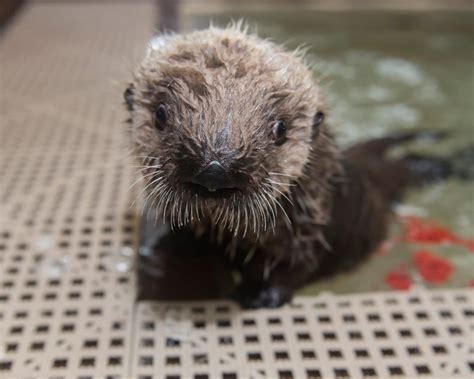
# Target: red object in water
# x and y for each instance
(471, 283)
(433, 268)
(470, 245)
(398, 279)
(420, 231)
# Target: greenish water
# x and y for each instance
(386, 72)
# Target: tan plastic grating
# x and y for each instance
(67, 230)
(426, 334)
(68, 237)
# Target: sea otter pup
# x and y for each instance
(232, 134)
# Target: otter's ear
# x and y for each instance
(128, 97)
(318, 120)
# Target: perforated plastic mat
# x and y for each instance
(68, 237)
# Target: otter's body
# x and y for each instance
(234, 143)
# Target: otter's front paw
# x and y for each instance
(267, 297)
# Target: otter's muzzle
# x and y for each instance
(214, 177)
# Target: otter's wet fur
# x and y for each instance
(301, 208)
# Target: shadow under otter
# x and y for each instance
(177, 265)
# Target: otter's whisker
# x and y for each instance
(219, 211)
(245, 220)
(143, 191)
(232, 216)
(149, 208)
(263, 215)
(158, 187)
(282, 184)
(250, 254)
(283, 195)
(266, 215)
(180, 212)
(197, 208)
(284, 212)
(173, 211)
(227, 216)
(144, 167)
(270, 209)
(152, 168)
(189, 209)
(152, 196)
(140, 178)
(274, 188)
(281, 174)
(254, 209)
(186, 212)
(144, 157)
(177, 209)
(238, 220)
(167, 197)
(152, 182)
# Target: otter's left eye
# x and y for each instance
(318, 119)
(279, 131)
(161, 116)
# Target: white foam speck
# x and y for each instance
(126, 251)
(400, 70)
(397, 114)
(377, 93)
(405, 210)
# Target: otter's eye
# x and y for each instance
(279, 131)
(161, 116)
(318, 119)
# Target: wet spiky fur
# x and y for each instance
(224, 88)
(227, 82)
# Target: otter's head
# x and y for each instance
(224, 124)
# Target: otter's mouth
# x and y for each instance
(221, 193)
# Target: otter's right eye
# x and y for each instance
(279, 131)
(161, 116)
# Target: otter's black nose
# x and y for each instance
(214, 177)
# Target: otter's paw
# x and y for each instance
(268, 297)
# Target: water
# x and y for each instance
(385, 72)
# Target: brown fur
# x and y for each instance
(305, 208)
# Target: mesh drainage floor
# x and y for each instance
(67, 237)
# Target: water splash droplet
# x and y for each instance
(51, 268)
(44, 242)
(122, 262)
